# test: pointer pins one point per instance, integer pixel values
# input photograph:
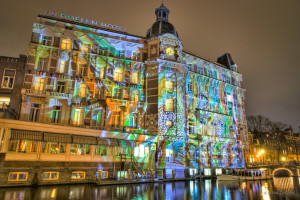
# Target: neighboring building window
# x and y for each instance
(190, 67)
(136, 56)
(61, 86)
(66, 44)
(4, 102)
(56, 114)
(40, 84)
(135, 77)
(61, 66)
(169, 105)
(80, 149)
(42, 64)
(8, 78)
(50, 175)
(78, 175)
(82, 90)
(101, 150)
(82, 70)
(77, 116)
(189, 86)
(85, 48)
(17, 176)
(46, 40)
(34, 112)
(135, 95)
(54, 147)
(116, 118)
(119, 74)
(169, 85)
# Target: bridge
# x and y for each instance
(293, 170)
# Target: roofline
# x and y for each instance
(185, 51)
(90, 26)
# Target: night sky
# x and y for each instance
(263, 37)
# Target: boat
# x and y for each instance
(245, 175)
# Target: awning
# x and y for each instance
(17, 134)
(127, 143)
(84, 140)
(57, 137)
(107, 142)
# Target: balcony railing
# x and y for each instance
(37, 93)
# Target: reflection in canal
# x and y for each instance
(278, 188)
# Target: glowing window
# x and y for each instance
(101, 150)
(116, 118)
(82, 90)
(40, 84)
(80, 149)
(102, 72)
(135, 77)
(50, 176)
(136, 151)
(61, 66)
(78, 175)
(141, 150)
(169, 105)
(27, 146)
(66, 44)
(169, 85)
(77, 116)
(8, 78)
(207, 172)
(4, 102)
(54, 147)
(85, 48)
(135, 95)
(119, 75)
(17, 176)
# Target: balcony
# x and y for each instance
(46, 94)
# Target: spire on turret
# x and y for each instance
(162, 13)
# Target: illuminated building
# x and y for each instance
(94, 96)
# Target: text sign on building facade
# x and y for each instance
(84, 20)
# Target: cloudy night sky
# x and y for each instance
(263, 37)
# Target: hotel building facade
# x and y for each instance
(99, 102)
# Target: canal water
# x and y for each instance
(278, 188)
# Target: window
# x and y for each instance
(82, 70)
(50, 175)
(56, 114)
(85, 48)
(27, 146)
(61, 66)
(46, 40)
(104, 174)
(190, 67)
(78, 175)
(169, 105)
(116, 118)
(200, 70)
(135, 77)
(101, 150)
(77, 116)
(8, 78)
(82, 90)
(13, 145)
(17, 176)
(102, 72)
(119, 74)
(4, 102)
(40, 84)
(80, 149)
(60, 86)
(122, 53)
(133, 120)
(34, 112)
(189, 86)
(99, 92)
(42, 64)
(169, 85)
(135, 95)
(66, 44)
(136, 56)
(54, 147)
(96, 117)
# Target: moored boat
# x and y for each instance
(245, 175)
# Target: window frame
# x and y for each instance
(18, 173)
(36, 115)
(77, 172)
(9, 77)
(65, 44)
(36, 83)
(45, 41)
(50, 179)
